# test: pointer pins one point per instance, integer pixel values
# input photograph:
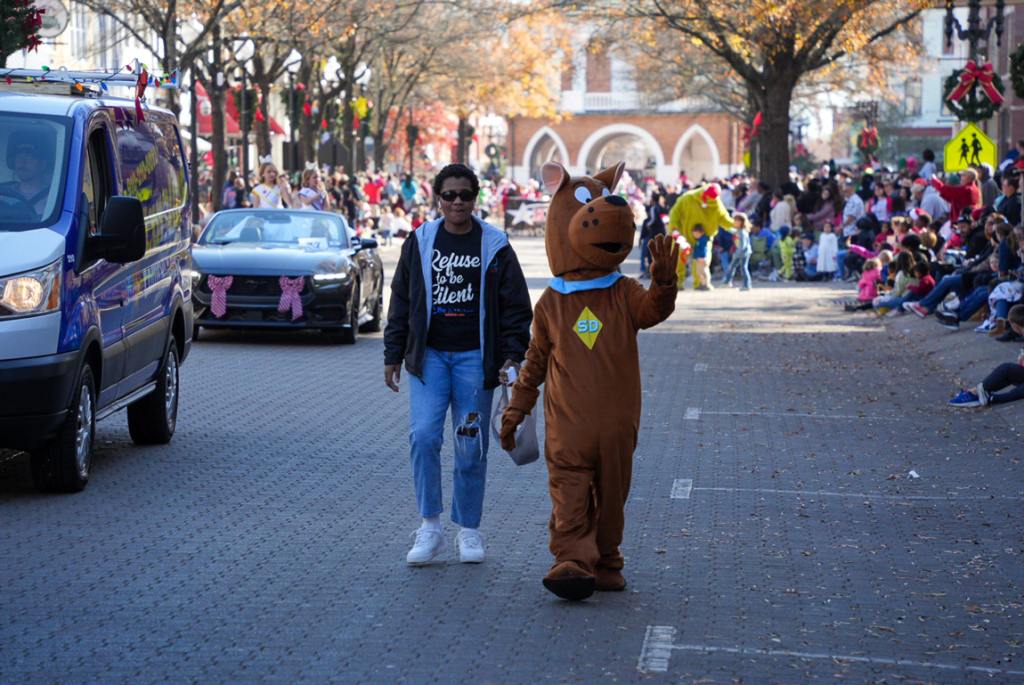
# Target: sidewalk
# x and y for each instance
(964, 356)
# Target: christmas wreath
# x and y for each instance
(973, 93)
(867, 140)
(1017, 71)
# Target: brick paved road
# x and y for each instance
(266, 543)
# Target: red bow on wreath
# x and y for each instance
(140, 92)
(974, 74)
(750, 132)
(868, 139)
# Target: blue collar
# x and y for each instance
(565, 287)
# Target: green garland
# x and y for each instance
(975, 105)
(1017, 71)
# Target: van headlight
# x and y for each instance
(32, 292)
(193, 276)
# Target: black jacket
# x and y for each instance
(505, 306)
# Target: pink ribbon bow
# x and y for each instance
(983, 75)
(290, 299)
(219, 286)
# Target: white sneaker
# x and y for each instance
(983, 397)
(471, 546)
(429, 545)
(985, 327)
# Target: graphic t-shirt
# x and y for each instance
(455, 296)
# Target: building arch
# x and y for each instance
(687, 154)
(602, 136)
(545, 137)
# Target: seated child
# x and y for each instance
(867, 286)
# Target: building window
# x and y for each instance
(912, 97)
(79, 31)
(599, 68)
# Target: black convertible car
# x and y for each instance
(286, 269)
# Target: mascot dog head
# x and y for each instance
(589, 231)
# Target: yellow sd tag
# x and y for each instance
(588, 327)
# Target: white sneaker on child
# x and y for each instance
(471, 546)
(429, 544)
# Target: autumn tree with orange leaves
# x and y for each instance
(770, 46)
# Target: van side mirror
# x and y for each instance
(368, 244)
(122, 235)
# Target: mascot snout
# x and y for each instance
(602, 231)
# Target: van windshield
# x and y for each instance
(33, 162)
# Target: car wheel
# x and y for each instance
(63, 464)
(373, 325)
(347, 336)
(151, 420)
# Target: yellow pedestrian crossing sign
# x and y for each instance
(970, 147)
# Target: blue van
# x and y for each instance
(95, 287)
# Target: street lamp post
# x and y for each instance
(244, 50)
(975, 32)
(292, 66)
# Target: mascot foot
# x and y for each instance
(610, 580)
(569, 581)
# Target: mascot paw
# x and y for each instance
(510, 420)
(610, 580)
(569, 581)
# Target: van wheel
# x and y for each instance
(63, 464)
(152, 419)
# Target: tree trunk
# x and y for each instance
(772, 143)
(263, 127)
(462, 142)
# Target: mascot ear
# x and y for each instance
(610, 176)
(554, 177)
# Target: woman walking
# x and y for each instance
(460, 315)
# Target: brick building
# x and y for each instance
(607, 119)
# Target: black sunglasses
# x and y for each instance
(464, 195)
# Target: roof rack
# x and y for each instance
(128, 77)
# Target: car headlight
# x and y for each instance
(32, 292)
(331, 278)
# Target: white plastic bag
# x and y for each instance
(527, 449)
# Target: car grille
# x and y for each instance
(254, 286)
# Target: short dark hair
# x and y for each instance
(698, 227)
(456, 171)
(1016, 315)
(928, 155)
(1014, 183)
(920, 269)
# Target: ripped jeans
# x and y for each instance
(454, 379)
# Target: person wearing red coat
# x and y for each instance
(967, 195)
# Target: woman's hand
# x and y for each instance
(392, 376)
(503, 373)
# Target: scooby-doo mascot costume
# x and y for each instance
(584, 350)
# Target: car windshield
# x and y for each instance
(310, 230)
(33, 162)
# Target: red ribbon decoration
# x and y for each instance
(307, 108)
(140, 91)
(983, 75)
(750, 132)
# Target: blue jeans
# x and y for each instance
(840, 264)
(645, 254)
(454, 379)
(977, 299)
(739, 261)
(943, 288)
(724, 257)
